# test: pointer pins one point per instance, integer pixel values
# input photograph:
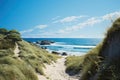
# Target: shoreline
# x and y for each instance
(68, 53)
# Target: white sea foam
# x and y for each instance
(72, 53)
(70, 46)
(68, 52)
(69, 49)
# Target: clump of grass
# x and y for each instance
(115, 28)
(13, 69)
(6, 44)
(4, 52)
(86, 65)
(74, 64)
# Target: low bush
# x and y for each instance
(74, 64)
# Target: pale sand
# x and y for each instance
(16, 50)
(56, 71)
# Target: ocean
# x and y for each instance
(72, 46)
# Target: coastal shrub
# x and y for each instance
(8, 73)
(1, 36)
(7, 60)
(8, 38)
(7, 52)
(13, 31)
(3, 31)
(13, 69)
(73, 64)
(6, 44)
(12, 34)
(14, 37)
(91, 63)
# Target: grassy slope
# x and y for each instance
(35, 56)
(31, 60)
(94, 62)
(84, 64)
(13, 69)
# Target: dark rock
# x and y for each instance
(54, 52)
(45, 42)
(64, 54)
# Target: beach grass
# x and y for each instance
(85, 65)
(35, 56)
(73, 64)
(13, 69)
(96, 64)
(27, 64)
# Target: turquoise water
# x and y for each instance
(70, 45)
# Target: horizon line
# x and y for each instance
(62, 37)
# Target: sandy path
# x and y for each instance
(16, 51)
(56, 71)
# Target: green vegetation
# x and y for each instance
(85, 65)
(97, 63)
(8, 38)
(91, 63)
(3, 31)
(73, 64)
(13, 69)
(35, 56)
(30, 61)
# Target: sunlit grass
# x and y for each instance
(35, 56)
(74, 64)
(30, 61)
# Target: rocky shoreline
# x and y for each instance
(48, 42)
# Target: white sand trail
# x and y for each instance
(56, 71)
(16, 50)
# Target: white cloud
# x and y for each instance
(33, 29)
(55, 18)
(26, 31)
(69, 29)
(113, 15)
(89, 22)
(41, 26)
(69, 19)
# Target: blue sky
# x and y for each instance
(59, 18)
